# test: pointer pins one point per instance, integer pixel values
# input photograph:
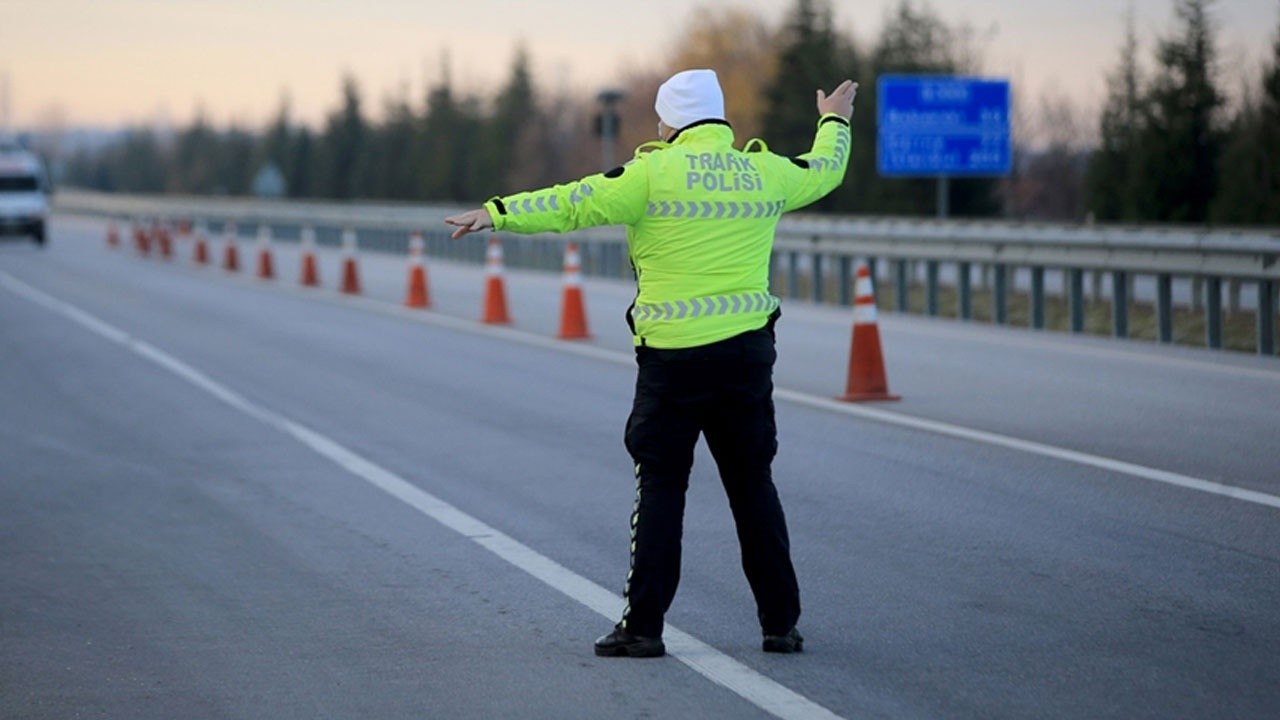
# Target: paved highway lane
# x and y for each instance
(167, 554)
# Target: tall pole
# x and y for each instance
(608, 125)
(944, 197)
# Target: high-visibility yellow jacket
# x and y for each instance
(700, 218)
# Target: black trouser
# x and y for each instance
(724, 391)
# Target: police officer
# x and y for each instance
(700, 218)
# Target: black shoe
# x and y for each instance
(621, 643)
(789, 643)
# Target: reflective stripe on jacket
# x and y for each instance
(700, 218)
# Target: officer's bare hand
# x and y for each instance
(840, 101)
(470, 221)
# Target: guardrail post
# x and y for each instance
(1120, 304)
(1213, 312)
(964, 289)
(846, 280)
(1266, 317)
(616, 264)
(793, 274)
(1037, 298)
(815, 292)
(1075, 280)
(1164, 307)
(900, 285)
(1000, 301)
(931, 288)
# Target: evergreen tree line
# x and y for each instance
(1168, 149)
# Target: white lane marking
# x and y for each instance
(865, 412)
(1008, 337)
(1035, 448)
(763, 692)
(861, 411)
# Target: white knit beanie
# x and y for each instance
(688, 97)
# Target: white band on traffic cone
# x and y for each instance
(864, 302)
(572, 266)
(493, 258)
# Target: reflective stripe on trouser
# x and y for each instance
(723, 391)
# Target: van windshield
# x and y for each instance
(18, 183)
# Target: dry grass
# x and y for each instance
(1239, 329)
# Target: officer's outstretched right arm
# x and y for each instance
(617, 197)
(810, 176)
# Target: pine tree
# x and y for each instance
(343, 147)
(276, 143)
(234, 162)
(300, 175)
(1111, 179)
(1269, 127)
(136, 164)
(193, 169)
(813, 55)
(391, 169)
(1181, 141)
(447, 141)
(1249, 175)
(1242, 179)
(508, 153)
(808, 60)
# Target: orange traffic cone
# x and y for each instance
(310, 274)
(266, 269)
(350, 277)
(113, 236)
(230, 257)
(141, 240)
(164, 240)
(416, 296)
(573, 314)
(867, 380)
(181, 233)
(201, 256)
(495, 292)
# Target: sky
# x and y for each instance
(107, 63)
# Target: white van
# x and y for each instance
(24, 203)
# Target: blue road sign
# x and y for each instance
(940, 125)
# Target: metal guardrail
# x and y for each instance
(815, 255)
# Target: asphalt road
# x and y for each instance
(227, 497)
